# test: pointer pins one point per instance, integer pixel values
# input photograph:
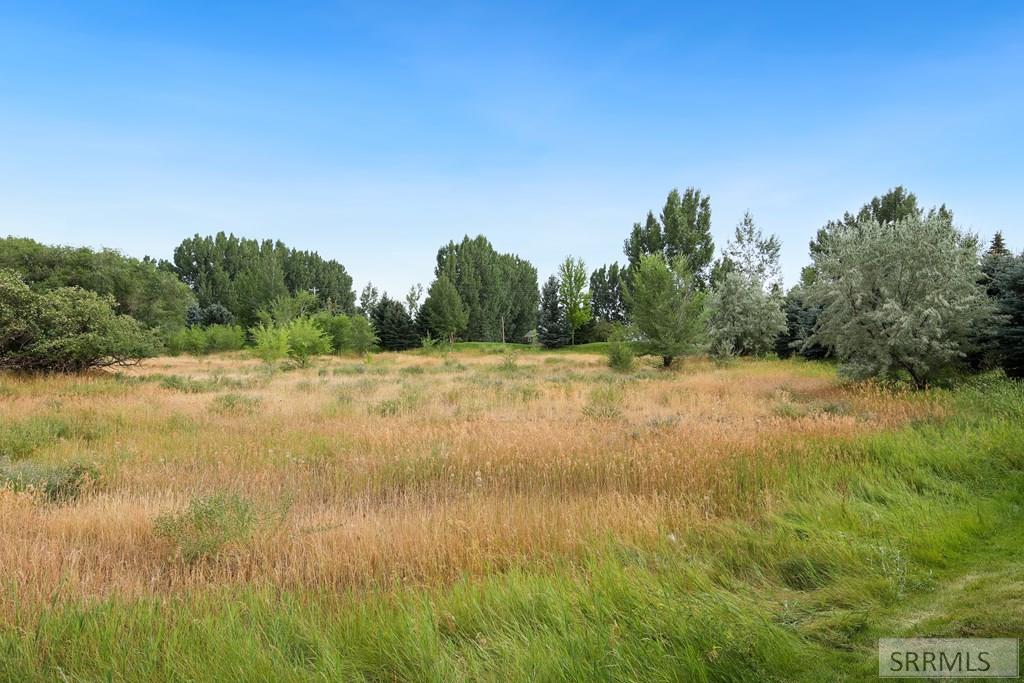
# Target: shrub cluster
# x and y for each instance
(199, 340)
(66, 329)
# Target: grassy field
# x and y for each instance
(483, 515)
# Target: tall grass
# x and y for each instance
(662, 526)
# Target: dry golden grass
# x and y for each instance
(408, 467)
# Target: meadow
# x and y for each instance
(489, 514)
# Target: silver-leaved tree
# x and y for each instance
(899, 298)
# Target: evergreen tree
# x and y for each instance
(801, 320)
(1009, 335)
(552, 330)
(998, 246)
(394, 327)
(443, 315)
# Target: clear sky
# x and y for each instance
(374, 135)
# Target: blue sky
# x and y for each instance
(374, 135)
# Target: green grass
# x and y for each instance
(911, 533)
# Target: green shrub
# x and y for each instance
(65, 330)
(360, 337)
(306, 339)
(508, 363)
(54, 483)
(187, 385)
(620, 356)
(334, 327)
(406, 401)
(270, 342)
(224, 338)
(235, 404)
(21, 439)
(208, 526)
(604, 403)
(191, 340)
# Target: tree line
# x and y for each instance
(892, 290)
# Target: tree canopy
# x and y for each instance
(65, 329)
(667, 307)
(443, 314)
(573, 294)
(498, 290)
(684, 231)
(150, 295)
(246, 275)
(900, 296)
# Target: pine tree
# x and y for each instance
(551, 327)
(443, 314)
(394, 327)
(998, 246)
(1009, 335)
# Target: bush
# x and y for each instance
(306, 339)
(604, 403)
(743, 319)
(188, 340)
(224, 338)
(21, 439)
(208, 526)
(620, 350)
(65, 330)
(236, 404)
(270, 342)
(359, 337)
(335, 327)
(620, 356)
(54, 483)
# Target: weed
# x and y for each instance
(620, 356)
(54, 483)
(604, 403)
(236, 404)
(208, 526)
(21, 439)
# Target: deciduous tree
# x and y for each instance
(573, 295)
(667, 307)
(898, 297)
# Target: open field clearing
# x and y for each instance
(484, 513)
